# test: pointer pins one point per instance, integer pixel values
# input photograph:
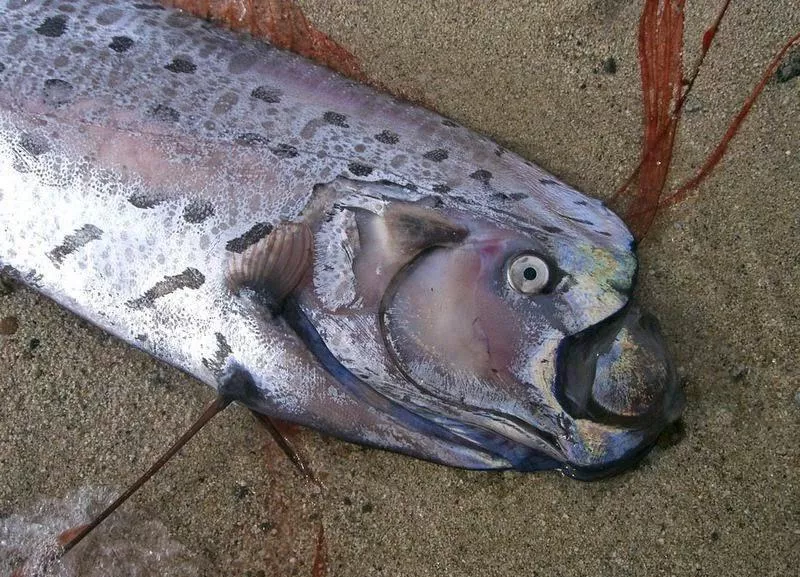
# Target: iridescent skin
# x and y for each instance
(140, 148)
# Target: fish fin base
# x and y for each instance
(275, 265)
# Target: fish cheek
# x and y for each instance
(446, 328)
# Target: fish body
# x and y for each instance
(366, 267)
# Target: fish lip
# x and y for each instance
(577, 365)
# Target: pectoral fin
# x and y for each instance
(275, 265)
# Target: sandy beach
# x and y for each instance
(719, 496)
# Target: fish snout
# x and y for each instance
(619, 373)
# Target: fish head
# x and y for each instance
(510, 327)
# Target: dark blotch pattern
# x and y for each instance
(336, 118)
(197, 211)
(181, 66)
(552, 229)
(223, 350)
(359, 169)
(164, 113)
(72, 242)
(580, 220)
(2, 67)
(57, 91)
(514, 196)
(547, 181)
(251, 139)
(191, 278)
(482, 175)
(120, 44)
(35, 144)
(53, 26)
(141, 200)
(436, 155)
(388, 137)
(248, 239)
(284, 151)
(450, 123)
(146, 6)
(441, 188)
(267, 94)
(581, 202)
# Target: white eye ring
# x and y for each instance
(527, 273)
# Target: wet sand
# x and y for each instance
(719, 497)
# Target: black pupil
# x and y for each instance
(529, 273)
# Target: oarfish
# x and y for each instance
(320, 251)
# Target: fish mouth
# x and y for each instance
(619, 373)
(618, 385)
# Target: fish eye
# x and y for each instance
(527, 273)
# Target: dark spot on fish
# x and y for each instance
(552, 229)
(581, 202)
(610, 65)
(143, 200)
(248, 239)
(164, 113)
(53, 26)
(388, 137)
(34, 144)
(9, 326)
(604, 233)
(120, 44)
(441, 188)
(359, 169)
(72, 242)
(267, 94)
(499, 151)
(515, 196)
(191, 278)
(436, 155)
(181, 66)
(336, 118)
(482, 175)
(146, 6)
(574, 219)
(360, 148)
(197, 211)
(547, 181)
(57, 92)
(141, 337)
(223, 350)
(2, 67)
(34, 344)
(251, 139)
(450, 123)
(284, 151)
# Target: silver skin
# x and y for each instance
(142, 149)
